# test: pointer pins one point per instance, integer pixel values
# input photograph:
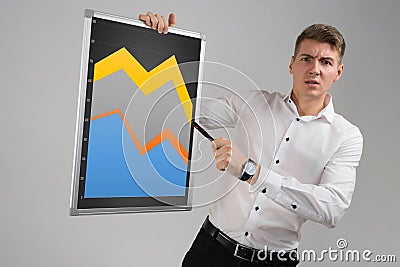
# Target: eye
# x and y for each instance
(327, 62)
(305, 59)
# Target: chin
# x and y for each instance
(312, 93)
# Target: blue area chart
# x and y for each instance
(115, 167)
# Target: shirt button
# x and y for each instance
(294, 206)
(290, 101)
(257, 208)
(264, 190)
(287, 139)
(297, 119)
(246, 234)
(277, 161)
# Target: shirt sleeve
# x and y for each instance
(326, 202)
(220, 112)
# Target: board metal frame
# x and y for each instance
(89, 16)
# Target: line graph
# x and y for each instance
(135, 166)
(166, 134)
(147, 81)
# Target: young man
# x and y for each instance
(305, 170)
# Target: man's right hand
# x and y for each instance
(158, 22)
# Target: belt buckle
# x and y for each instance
(237, 251)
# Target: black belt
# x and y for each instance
(245, 252)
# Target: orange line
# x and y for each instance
(164, 135)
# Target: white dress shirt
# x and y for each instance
(308, 167)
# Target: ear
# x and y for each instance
(339, 72)
(291, 65)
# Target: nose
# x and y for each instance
(315, 68)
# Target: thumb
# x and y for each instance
(171, 20)
(213, 146)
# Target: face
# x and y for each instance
(314, 69)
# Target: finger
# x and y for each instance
(171, 20)
(153, 19)
(145, 19)
(222, 164)
(165, 31)
(223, 169)
(223, 159)
(160, 26)
(148, 21)
(219, 142)
(225, 151)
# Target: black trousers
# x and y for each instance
(206, 251)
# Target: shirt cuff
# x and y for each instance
(268, 181)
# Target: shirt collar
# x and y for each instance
(327, 112)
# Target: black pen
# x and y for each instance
(202, 131)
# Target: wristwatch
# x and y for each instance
(249, 170)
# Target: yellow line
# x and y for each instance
(147, 82)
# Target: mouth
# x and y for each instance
(312, 82)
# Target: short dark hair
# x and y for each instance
(322, 33)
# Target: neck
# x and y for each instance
(308, 107)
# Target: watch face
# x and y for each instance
(250, 167)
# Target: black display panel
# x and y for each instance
(134, 138)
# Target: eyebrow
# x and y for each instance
(322, 58)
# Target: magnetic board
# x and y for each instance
(137, 96)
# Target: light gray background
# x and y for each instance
(39, 72)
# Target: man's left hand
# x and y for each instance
(158, 22)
